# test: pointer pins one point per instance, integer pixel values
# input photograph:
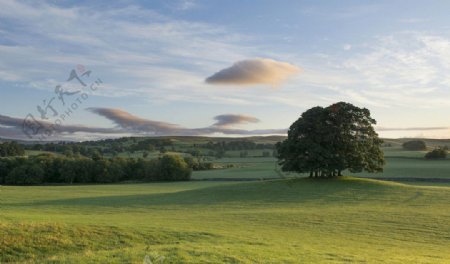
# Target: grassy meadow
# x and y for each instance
(249, 213)
(279, 221)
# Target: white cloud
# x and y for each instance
(142, 53)
(404, 70)
(136, 51)
(255, 71)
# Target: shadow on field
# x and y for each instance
(344, 190)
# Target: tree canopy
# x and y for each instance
(11, 149)
(48, 168)
(326, 141)
(437, 153)
(415, 145)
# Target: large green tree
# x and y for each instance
(326, 141)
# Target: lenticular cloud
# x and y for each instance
(256, 71)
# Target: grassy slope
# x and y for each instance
(274, 221)
(245, 168)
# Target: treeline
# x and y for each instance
(106, 146)
(68, 149)
(439, 152)
(11, 149)
(43, 169)
(234, 145)
(197, 165)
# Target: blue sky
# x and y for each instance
(153, 57)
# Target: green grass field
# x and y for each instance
(399, 167)
(411, 164)
(244, 168)
(281, 221)
(219, 218)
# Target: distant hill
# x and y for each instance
(428, 141)
(397, 142)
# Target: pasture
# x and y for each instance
(249, 213)
(289, 221)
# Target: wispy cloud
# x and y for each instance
(224, 124)
(186, 5)
(18, 123)
(147, 53)
(399, 70)
(128, 124)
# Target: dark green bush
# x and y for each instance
(11, 149)
(414, 145)
(437, 153)
(50, 169)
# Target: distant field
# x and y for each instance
(218, 218)
(245, 168)
(399, 164)
(411, 164)
(415, 168)
(283, 221)
(399, 152)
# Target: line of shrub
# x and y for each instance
(11, 149)
(43, 169)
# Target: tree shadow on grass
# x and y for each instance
(265, 192)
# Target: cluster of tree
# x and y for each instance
(11, 149)
(106, 146)
(194, 152)
(268, 154)
(326, 141)
(68, 149)
(414, 145)
(150, 144)
(234, 145)
(196, 165)
(51, 169)
(437, 153)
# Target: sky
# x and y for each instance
(81, 70)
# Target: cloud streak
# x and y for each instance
(159, 62)
(253, 72)
(224, 125)
(230, 119)
(128, 124)
(18, 123)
